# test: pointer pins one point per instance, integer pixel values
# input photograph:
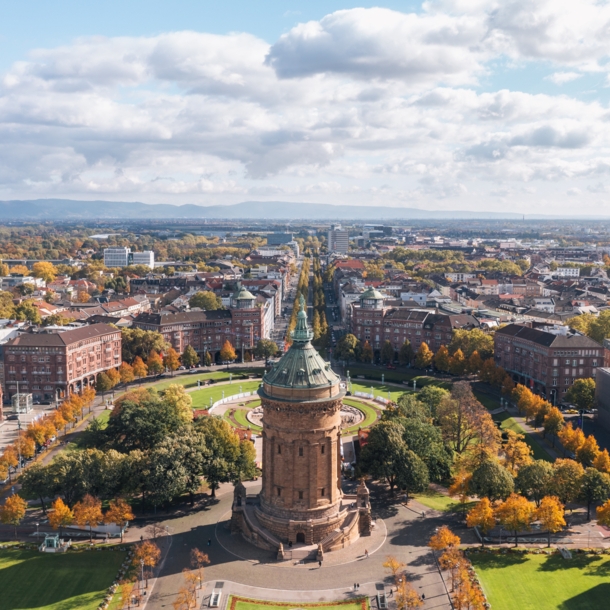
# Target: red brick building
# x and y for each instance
(547, 362)
(49, 365)
(206, 331)
(373, 322)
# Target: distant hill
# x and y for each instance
(69, 209)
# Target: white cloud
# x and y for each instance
(561, 78)
(366, 105)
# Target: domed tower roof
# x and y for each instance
(370, 294)
(301, 367)
(243, 298)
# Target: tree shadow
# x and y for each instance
(496, 561)
(595, 597)
(588, 563)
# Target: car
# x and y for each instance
(391, 367)
(182, 368)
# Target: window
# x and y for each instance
(567, 361)
(279, 449)
(300, 451)
(322, 451)
(594, 363)
(323, 491)
(279, 491)
(554, 361)
(554, 380)
(300, 495)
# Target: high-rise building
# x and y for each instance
(279, 239)
(338, 239)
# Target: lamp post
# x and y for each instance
(37, 524)
(142, 574)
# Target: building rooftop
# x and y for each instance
(301, 366)
(547, 339)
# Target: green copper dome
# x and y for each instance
(301, 366)
(371, 293)
(244, 295)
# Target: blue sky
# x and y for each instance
(447, 104)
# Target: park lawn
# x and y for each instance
(243, 421)
(190, 381)
(541, 582)
(370, 415)
(73, 580)
(487, 401)
(398, 376)
(201, 398)
(378, 389)
(441, 502)
(242, 603)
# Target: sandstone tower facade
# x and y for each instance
(301, 501)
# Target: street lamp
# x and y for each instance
(37, 524)
(142, 574)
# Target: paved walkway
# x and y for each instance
(260, 577)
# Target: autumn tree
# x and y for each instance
(13, 510)
(154, 363)
(424, 356)
(553, 422)
(148, 553)
(103, 383)
(139, 368)
(199, 559)
(517, 452)
(177, 398)
(60, 515)
(460, 487)
(119, 513)
(515, 514)
(482, 517)
(126, 372)
(393, 565)
(474, 363)
(571, 438)
(602, 461)
(442, 359)
(206, 300)
(443, 539)
(171, 360)
(550, 513)
(603, 514)
(83, 296)
(114, 377)
(88, 512)
(457, 363)
(588, 451)
(45, 271)
(406, 595)
(227, 352)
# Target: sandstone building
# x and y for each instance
(301, 502)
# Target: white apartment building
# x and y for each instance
(338, 239)
(123, 257)
(146, 258)
(116, 257)
(567, 272)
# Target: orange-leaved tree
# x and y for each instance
(603, 514)
(154, 363)
(482, 516)
(227, 353)
(119, 513)
(443, 538)
(516, 513)
(126, 372)
(147, 553)
(13, 510)
(139, 368)
(60, 515)
(550, 514)
(198, 560)
(171, 360)
(88, 512)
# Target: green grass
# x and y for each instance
(243, 421)
(378, 389)
(489, 402)
(540, 582)
(398, 376)
(441, 502)
(65, 581)
(370, 415)
(201, 398)
(241, 603)
(190, 381)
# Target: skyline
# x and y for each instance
(487, 107)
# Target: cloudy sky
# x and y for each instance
(450, 104)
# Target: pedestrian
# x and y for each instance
(391, 592)
(366, 554)
(319, 564)
(423, 596)
(354, 586)
(423, 513)
(209, 542)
